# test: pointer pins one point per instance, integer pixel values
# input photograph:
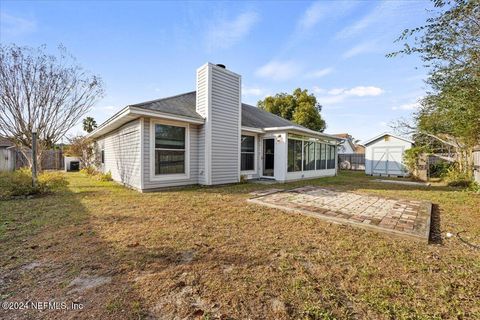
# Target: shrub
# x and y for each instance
(50, 181)
(455, 178)
(89, 170)
(19, 183)
(16, 183)
(439, 169)
(105, 176)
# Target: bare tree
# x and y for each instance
(42, 92)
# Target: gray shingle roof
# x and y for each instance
(184, 105)
(180, 105)
(257, 118)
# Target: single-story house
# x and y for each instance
(384, 155)
(209, 137)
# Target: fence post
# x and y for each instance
(34, 158)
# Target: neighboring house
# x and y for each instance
(384, 155)
(348, 144)
(359, 149)
(7, 155)
(209, 137)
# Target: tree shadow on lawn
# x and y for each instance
(54, 254)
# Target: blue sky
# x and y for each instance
(148, 50)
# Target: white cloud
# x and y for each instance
(319, 73)
(16, 26)
(312, 16)
(279, 70)
(252, 91)
(362, 91)
(323, 10)
(318, 90)
(365, 47)
(407, 106)
(227, 32)
(383, 18)
(336, 91)
(337, 95)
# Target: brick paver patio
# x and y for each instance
(406, 218)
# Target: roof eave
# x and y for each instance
(131, 113)
(304, 130)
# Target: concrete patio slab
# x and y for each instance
(406, 218)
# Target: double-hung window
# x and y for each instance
(170, 144)
(247, 153)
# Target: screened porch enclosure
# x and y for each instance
(309, 154)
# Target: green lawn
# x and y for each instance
(206, 253)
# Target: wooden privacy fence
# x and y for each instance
(351, 161)
(51, 160)
(476, 165)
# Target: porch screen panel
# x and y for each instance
(308, 155)
(331, 157)
(318, 150)
(323, 157)
(294, 155)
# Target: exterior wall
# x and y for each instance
(204, 132)
(281, 173)
(218, 100)
(344, 148)
(122, 149)
(150, 181)
(379, 143)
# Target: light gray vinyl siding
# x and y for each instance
(202, 109)
(123, 153)
(201, 155)
(225, 122)
(148, 153)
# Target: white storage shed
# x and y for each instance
(384, 155)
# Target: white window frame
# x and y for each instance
(254, 154)
(174, 176)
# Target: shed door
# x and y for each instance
(387, 161)
(4, 160)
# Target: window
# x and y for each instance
(102, 156)
(308, 155)
(331, 157)
(169, 149)
(294, 155)
(247, 153)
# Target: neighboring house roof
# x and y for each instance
(346, 137)
(359, 148)
(183, 107)
(342, 135)
(4, 142)
(369, 141)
